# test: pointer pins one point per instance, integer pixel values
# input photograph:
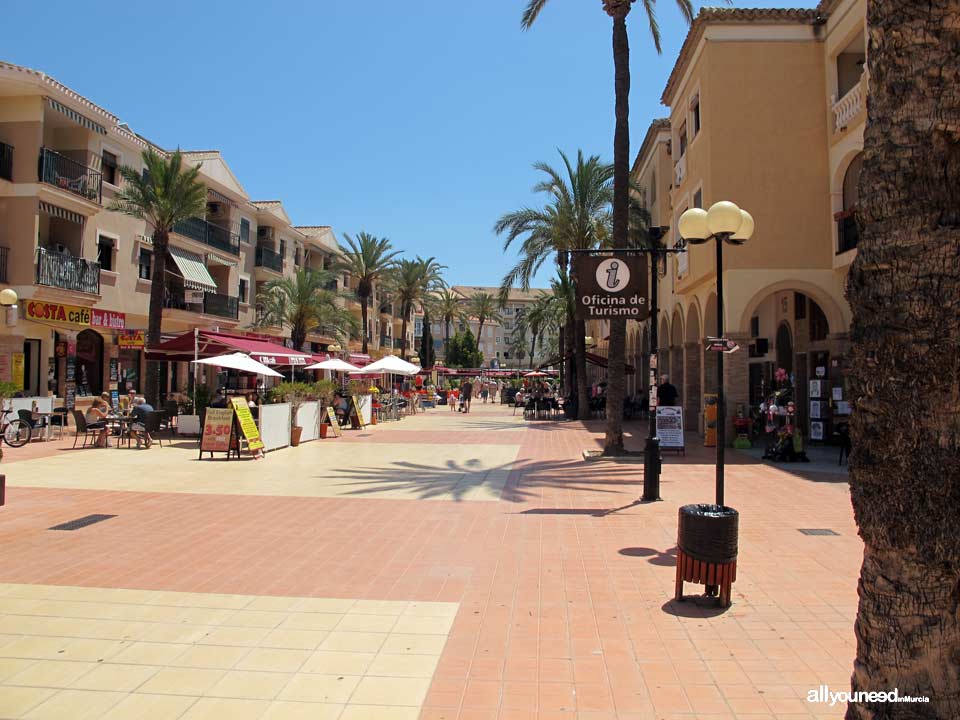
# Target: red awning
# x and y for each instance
(360, 359)
(210, 344)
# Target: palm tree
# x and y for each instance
(483, 306)
(577, 217)
(367, 258)
(163, 194)
(905, 361)
(411, 282)
(448, 308)
(618, 11)
(535, 320)
(303, 304)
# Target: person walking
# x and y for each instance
(666, 393)
(466, 395)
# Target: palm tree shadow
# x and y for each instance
(667, 558)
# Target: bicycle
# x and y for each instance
(16, 432)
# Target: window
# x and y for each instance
(755, 327)
(506, 355)
(283, 248)
(698, 198)
(242, 293)
(296, 256)
(109, 163)
(695, 114)
(499, 340)
(144, 264)
(105, 253)
(244, 230)
(683, 140)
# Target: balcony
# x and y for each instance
(848, 234)
(209, 234)
(221, 305)
(850, 105)
(6, 161)
(67, 272)
(62, 172)
(385, 341)
(212, 304)
(270, 259)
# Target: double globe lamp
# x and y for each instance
(724, 222)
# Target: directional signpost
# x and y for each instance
(724, 345)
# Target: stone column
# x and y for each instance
(691, 394)
(736, 381)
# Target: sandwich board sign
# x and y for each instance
(331, 417)
(248, 426)
(670, 427)
(355, 410)
(217, 432)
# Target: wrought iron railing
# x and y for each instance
(209, 234)
(6, 161)
(4, 257)
(221, 305)
(67, 272)
(62, 172)
(270, 259)
(848, 234)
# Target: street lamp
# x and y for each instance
(724, 222)
(9, 300)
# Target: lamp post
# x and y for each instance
(724, 222)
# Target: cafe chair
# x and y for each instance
(152, 425)
(88, 433)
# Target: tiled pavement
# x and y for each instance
(563, 585)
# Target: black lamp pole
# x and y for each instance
(721, 419)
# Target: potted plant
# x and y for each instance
(295, 393)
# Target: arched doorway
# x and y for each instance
(89, 365)
(676, 353)
(847, 232)
(784, 348)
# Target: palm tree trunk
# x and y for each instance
(479, 334)
(403, 335)
(562, 347)
(616, 376)
(533, 348)
(446, 339)
(155, 317)
(364, 299)
(903, 289)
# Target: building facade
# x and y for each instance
(83, 273)
(767, 109)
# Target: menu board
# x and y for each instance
(70, 396)
(356, 410)
(217, 430)
(248, 425)
(114, 370)
(331, 417)
(71, 369)
(670, 427)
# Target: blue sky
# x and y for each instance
(415, 120)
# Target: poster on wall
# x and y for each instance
(670, 427)
(816, 388)
(815, 409)
(816, 431)
(114, 370)
(70, 396)
(17, 363)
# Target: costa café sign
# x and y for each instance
(75, 315)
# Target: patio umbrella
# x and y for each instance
(390, 364)
(335, 364)
(536, 373)
(239, 361)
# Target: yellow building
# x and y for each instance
(767, 109)
(83, 273)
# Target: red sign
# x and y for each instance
(724, 345)
(108, 319)
(74, 315)
(131, 339)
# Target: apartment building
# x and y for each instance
(499, 343)
(83, 273)
(767, 109)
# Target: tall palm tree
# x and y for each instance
(410, 282)
(303, 304)
(576, 217)
(448, 309)
(483, 307)
(534, 321)
(618, 11)
(367, 258)
(163, 194)
(904, 291)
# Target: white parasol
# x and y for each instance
(239, 361)
(389, 364)
(335, 364)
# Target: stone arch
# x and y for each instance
(676, 350)
(827, 304)
(692, 364)
(694, 331)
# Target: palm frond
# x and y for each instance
(531, 12)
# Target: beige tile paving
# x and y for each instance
(414, 470)
(78, 653)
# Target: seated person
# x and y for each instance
(220, 401)
(127, 402)
(252, 404)
(138, 428)
(96, 418)
(341, 408)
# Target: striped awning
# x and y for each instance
(194, 272)
(217, 260)
(76, 117)
(62, 213)
(219, 197)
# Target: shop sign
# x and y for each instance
(61, 349)
(248, 425)
(17, 361)
(132, 340)
(74, 315)
(612, 286)
(217, 430)
(724, 345)
(272, 359)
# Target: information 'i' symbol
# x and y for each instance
(612, 275)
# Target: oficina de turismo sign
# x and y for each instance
(610, 286)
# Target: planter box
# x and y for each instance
(188, 424)
(275, 425)
(308, 418)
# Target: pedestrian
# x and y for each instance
(666, 393)
(484, 392)
(466, 394)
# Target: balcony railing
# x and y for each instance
(209, 234)
(848, 234)
(221, 305)
(6, 161)
(67, 272)
(62, 172)
(4, 257)
(846, 108)
(270, 259)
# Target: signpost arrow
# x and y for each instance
(724, 345)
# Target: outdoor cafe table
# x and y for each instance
(122, 423)
(44, 420)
